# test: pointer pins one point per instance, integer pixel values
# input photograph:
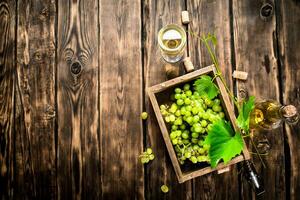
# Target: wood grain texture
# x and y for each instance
(288, 20)
(121, 99)
(213, 17)
(7, 81)
(157, 14)
(254, 42)
(36, 88)
(78, 156)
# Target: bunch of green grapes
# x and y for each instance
(190, 116)
(146, 156)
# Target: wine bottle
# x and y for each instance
(269, 114)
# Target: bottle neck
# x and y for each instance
(289, 114)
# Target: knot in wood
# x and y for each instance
(266, 11)
(76, 68)
(242, 93)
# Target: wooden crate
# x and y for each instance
(159, 94)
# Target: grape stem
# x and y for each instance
(212, 54)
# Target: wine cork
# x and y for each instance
(185, 17)
(289, 111)
(240, 75)
(188, 64)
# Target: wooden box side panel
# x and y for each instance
(165, 133)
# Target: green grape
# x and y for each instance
(173, 108)
(196, 118)
(173, 135)
(209, 111)
(180, 102)
(183, 96)
(177, 96)
(182, 126)
(177, 90)
(198, 129)
(144, 115)
(197, 125)
(203, 123)
(201, 150)
(194, 140)
(164, 188)
(182, 110)
(188, 108)
(205, 116)
(196, 147)
(187, 154)
(195, 110)
(217, 101)
(189, 119)
(196, 94)
(217, 108)
(163, 107)
(172, 118)
(185, 135)
(192, 129)
(209, 127)
(192, 97)
(174, 127)
(151, 157)
(178, 133)
(208, 102)
(149, 151)
(144, 159)
(187, 101)
(185, 141)
(178, 121)
(186, 87)
(195, 135)
(194, 159)
(201, 143)
(167, 119)
(201, 159)
(180, 142)
(177, 113)
(164, 112)
(188, 93)
(206, 147)
(221, 114)
(188, 113)
(175, 141)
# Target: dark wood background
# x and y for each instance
(72, 86)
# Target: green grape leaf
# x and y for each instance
(244, 113)
(205, 87)
(224, 143)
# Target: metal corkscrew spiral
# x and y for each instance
(253, 178)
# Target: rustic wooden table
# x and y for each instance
(73, 76)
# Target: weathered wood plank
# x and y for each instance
(7, 81)
(254, 42)
(288, 15)
(157, 14)
(121, 99)
(78, 153)
(36, 85)
(213, 17)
